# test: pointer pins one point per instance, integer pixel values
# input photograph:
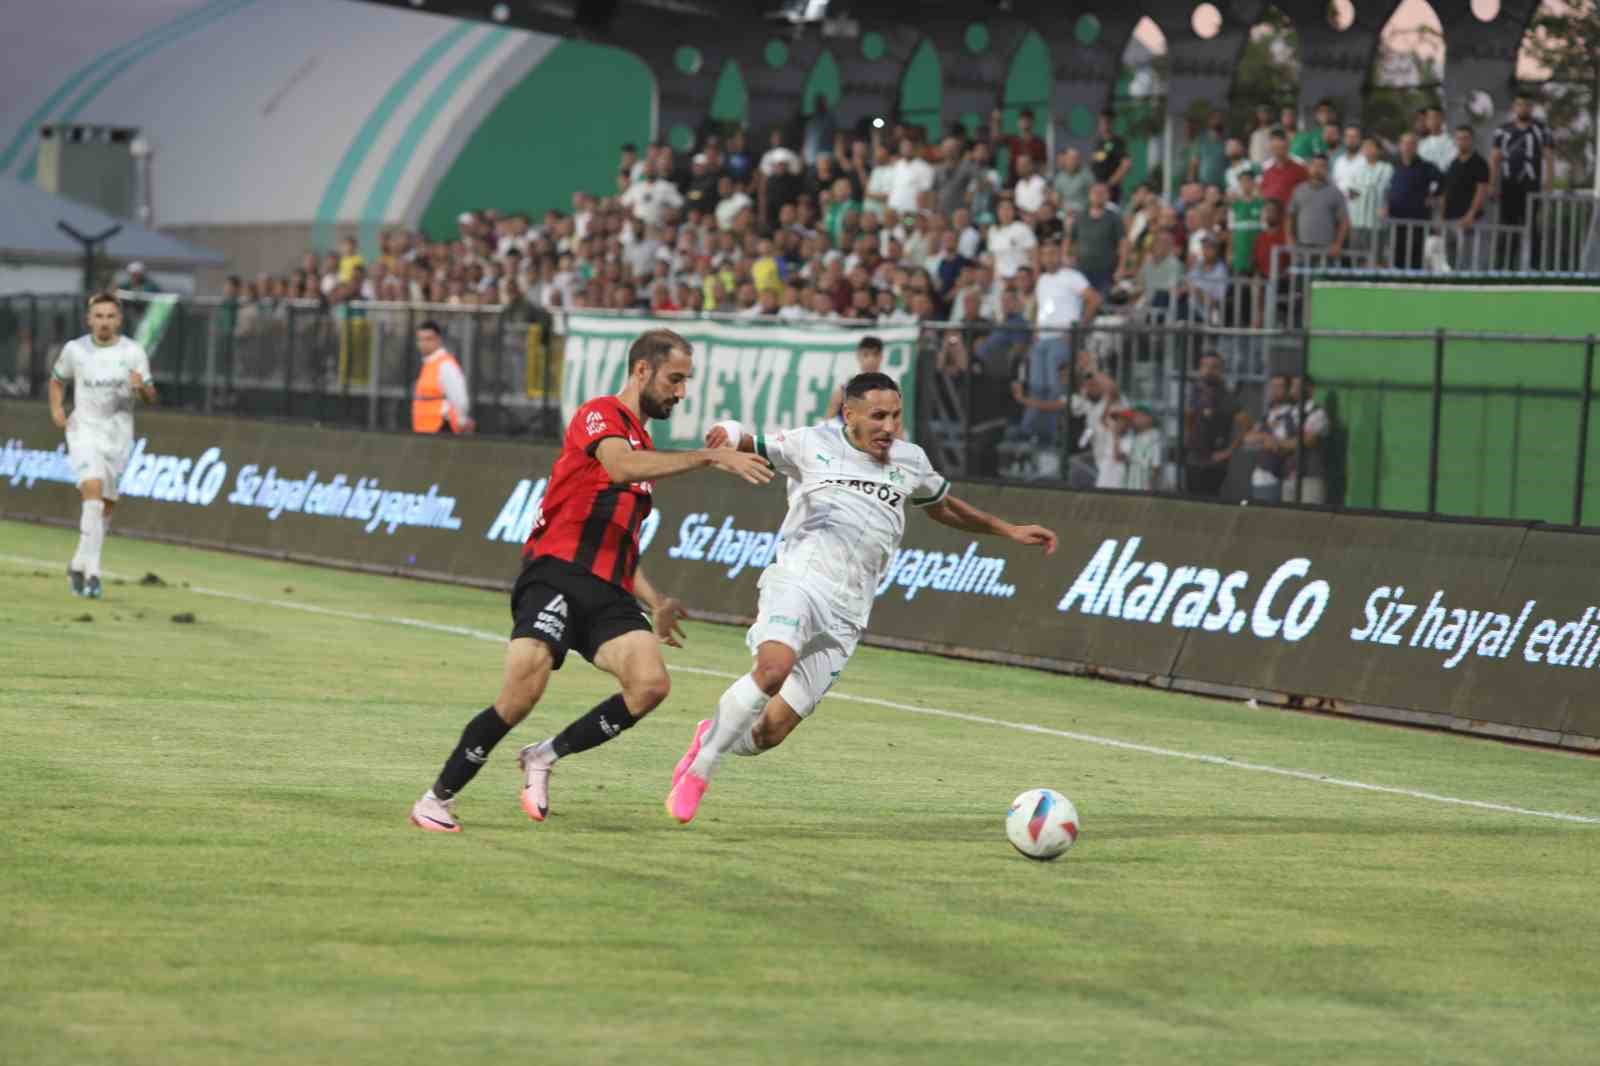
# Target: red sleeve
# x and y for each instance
(593, 423)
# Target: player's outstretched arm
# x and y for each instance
(625, 465)
(959, 514)
(730, 434)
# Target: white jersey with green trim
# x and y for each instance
(102, 399)
(846, 512)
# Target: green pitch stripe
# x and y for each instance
(401, 156)
(169, 35)
(356, 154)
(78, 77)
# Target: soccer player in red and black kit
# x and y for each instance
(579, 576)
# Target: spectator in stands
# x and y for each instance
(1343, 163)
(1411, 190)
(652, 197)
(1071, 181)
(1289, 122)
(1159, 278)
(1006, 346)
(1010, 240)
(1207, 282)
(1437, 146)
(1145, 451)
(1466, 182)
(1318, 216)
(1111, 162)
(1098, 240)
(1263, 440)
(1282, 173)
(1031, 189)
(910, 177)
(1368, 192)
(1065, 299)
(1308, 422)
(702, 193)
(1245, 209)
(819, 131)
(1259, 149)
(1206, 158)
(732, 201)
(1238, 163)
(1312, 141)
(1212, 429)
(1518, 160)
(954, 178)
(1024, 144)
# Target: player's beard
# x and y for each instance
(652, 405)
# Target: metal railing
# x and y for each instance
(354, 365)
(1431, 442)
(1563, 233)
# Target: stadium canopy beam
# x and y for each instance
(1335, 63)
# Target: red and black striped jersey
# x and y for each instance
(584, 518)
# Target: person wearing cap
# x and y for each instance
(137, 281)
(702, 194)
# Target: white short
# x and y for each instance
(822, 642)
(95, 457)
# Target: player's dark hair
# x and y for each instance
(105, 298)
(862, 384)
(872, 344)
(430, 324)
(654, 347)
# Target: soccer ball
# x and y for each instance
(1042, 824)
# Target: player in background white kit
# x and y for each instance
(107, 370)
(848, 484)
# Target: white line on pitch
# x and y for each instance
(933, 712)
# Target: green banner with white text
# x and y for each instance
(768, 376)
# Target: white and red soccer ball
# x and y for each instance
(1042, 824)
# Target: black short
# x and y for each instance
(566, 606)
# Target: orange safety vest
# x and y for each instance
(429, 408)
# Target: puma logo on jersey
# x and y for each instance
(825, 458)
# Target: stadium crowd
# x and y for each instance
(988, 233)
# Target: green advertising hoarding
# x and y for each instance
(771, 377)
(1509, 412)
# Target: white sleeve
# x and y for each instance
(785, 451)
(930, 486)
(141, 363)
(454, 384)
(66, 366)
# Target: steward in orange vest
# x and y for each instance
(439, 402)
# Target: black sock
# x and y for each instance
(477, 741)
(603, 721)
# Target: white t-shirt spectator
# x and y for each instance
(1345, 168)
(1030, 193)
(1060, 297)
(909, 178)
(1010, 246)
(970, 243)
(1110, 472)
(879, 184)
(651, 200)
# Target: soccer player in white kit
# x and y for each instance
(848, 487)
(107, 370)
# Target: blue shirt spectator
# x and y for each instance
(1415, 180)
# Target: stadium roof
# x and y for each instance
(29, 230)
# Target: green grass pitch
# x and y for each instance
(205, 859)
